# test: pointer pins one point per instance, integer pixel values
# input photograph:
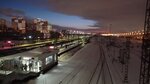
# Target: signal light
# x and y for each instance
(9, 42)
(51, 47)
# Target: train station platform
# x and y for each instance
(86, 66)
(19, 75)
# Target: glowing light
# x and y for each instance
(26, 58)
(51, 47)
(9, 42)
(24, 38)
(30, 37)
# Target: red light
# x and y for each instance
(8, 41)
(51, 47)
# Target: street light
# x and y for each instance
(30, 37)
(24, 38)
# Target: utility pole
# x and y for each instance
(145, 58)
(126, 59)
(110, 26)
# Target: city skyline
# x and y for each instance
(8, 9)
(122, 15)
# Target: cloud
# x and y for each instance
(124, 15)
(9, 12)
(96, 25)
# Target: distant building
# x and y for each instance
(43, 27)
(19, 24)
(38, 24)
(3, 27)
(49, 27)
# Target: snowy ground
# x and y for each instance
(116, 67)
(84, 67)
(92, 65)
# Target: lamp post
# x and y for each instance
(30, 38)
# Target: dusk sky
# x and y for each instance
(123, 15)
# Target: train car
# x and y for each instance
(7, 44)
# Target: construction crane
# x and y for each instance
(145, 58)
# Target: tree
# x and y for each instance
(54, 35)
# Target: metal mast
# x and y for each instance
(126, 59)
(145, 58)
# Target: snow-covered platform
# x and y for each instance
(93, 64)
(87, 66)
